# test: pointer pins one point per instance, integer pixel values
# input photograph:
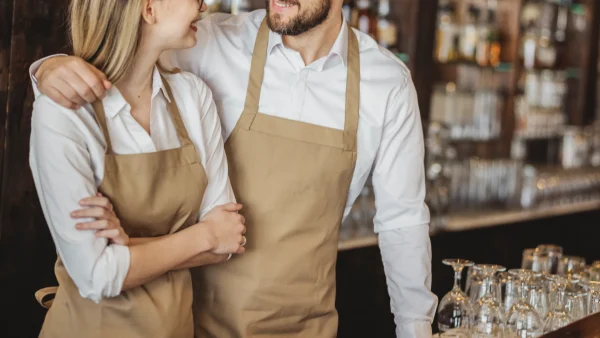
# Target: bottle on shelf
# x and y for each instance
(386, 28)
(469, 35)
(214, 6)
(447, 33)
(484, 31)
(366, 19)
(495, 48)
(240, 6)
(546, 50)
(529, 46)
(347, 10)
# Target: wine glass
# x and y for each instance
(576, 303)
(554, 252)
(523, 321)
(475, 281)
(538, 298)
(455, 308)
(508, 291)
(536, 260)
(488, 318)
(559, 316)
(594, 296)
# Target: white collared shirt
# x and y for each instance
(390, 136)
(67, 161)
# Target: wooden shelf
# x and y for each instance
(488, 218)
(484, 219)
(357, 243)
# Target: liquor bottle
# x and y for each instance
(529, 46)
(546, 51)
(495, 48)
(240, 6)
(468, 36)
(214, 6)
(447, 33)
(367, 21)
(386, 28)
(482, 50)
(347, 11)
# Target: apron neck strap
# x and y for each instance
(257, 72)
(352, 93)
(182, 133)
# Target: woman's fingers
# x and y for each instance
(97, 201)
(96, 225)
(94, 212)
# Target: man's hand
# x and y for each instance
(70, 81)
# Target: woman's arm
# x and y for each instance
(107, 225)
(62, 170)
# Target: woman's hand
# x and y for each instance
(107, 225)
(226, 229)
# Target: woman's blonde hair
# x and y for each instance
(106, 33)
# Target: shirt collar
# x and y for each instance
(339, 48)
(114, 102)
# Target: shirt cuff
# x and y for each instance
(416, 329)
(123, 261)
(34, 68)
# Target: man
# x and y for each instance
(308, 108)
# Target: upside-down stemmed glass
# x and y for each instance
(455, 308)
(523, 321)
(594, 296)
(488, 317)
(559, 316)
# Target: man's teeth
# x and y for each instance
(283, 4)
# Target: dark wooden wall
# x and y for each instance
(29, 29)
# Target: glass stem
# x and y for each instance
(560, 300)
(487, 285)
(524, 290)
(457, 276)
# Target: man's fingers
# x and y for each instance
(59, 98)
(69, 92)
(94, 80)
(84, 84)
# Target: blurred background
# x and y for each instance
(508, 92)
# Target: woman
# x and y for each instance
(152, 147)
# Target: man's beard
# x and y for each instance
(302, 23)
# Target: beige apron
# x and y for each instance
(293, 180)
(153, 194)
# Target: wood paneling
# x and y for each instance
(6, 15)
(27, 253)
(421, 52)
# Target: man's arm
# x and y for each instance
(402, 217)
(70, 81)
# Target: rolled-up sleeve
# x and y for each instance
(62, 172)
(402, 217)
